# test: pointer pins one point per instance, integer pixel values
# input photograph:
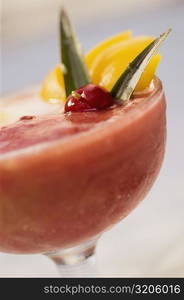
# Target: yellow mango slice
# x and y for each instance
(111, 66)
(106, 62)
(101, 61)
(104, 45)
(53, 86)
(148, 74)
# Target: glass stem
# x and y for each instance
(78, 261)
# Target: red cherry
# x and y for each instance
(88, 97)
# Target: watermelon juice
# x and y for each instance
(65, 178)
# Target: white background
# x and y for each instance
(150, 241)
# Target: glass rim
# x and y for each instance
(154, 94)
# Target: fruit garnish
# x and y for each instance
(128, 80)
(89, 97)
(103, 49)
(74, 70)
(118, 66)
(106, 69)
(53, 86)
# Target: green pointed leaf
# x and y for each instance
(128, 80)
(73, 67)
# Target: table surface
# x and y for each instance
(150, 241)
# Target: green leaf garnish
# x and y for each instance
(74, 70)
(128, 80)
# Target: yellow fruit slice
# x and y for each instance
(92, 55)
(53, 86)
(106, 62)
(111, 66)
(101, 61)
(148, 74)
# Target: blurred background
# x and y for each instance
(150, 241)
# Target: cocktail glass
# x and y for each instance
(62, 190)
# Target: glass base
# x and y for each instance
(78, 261)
